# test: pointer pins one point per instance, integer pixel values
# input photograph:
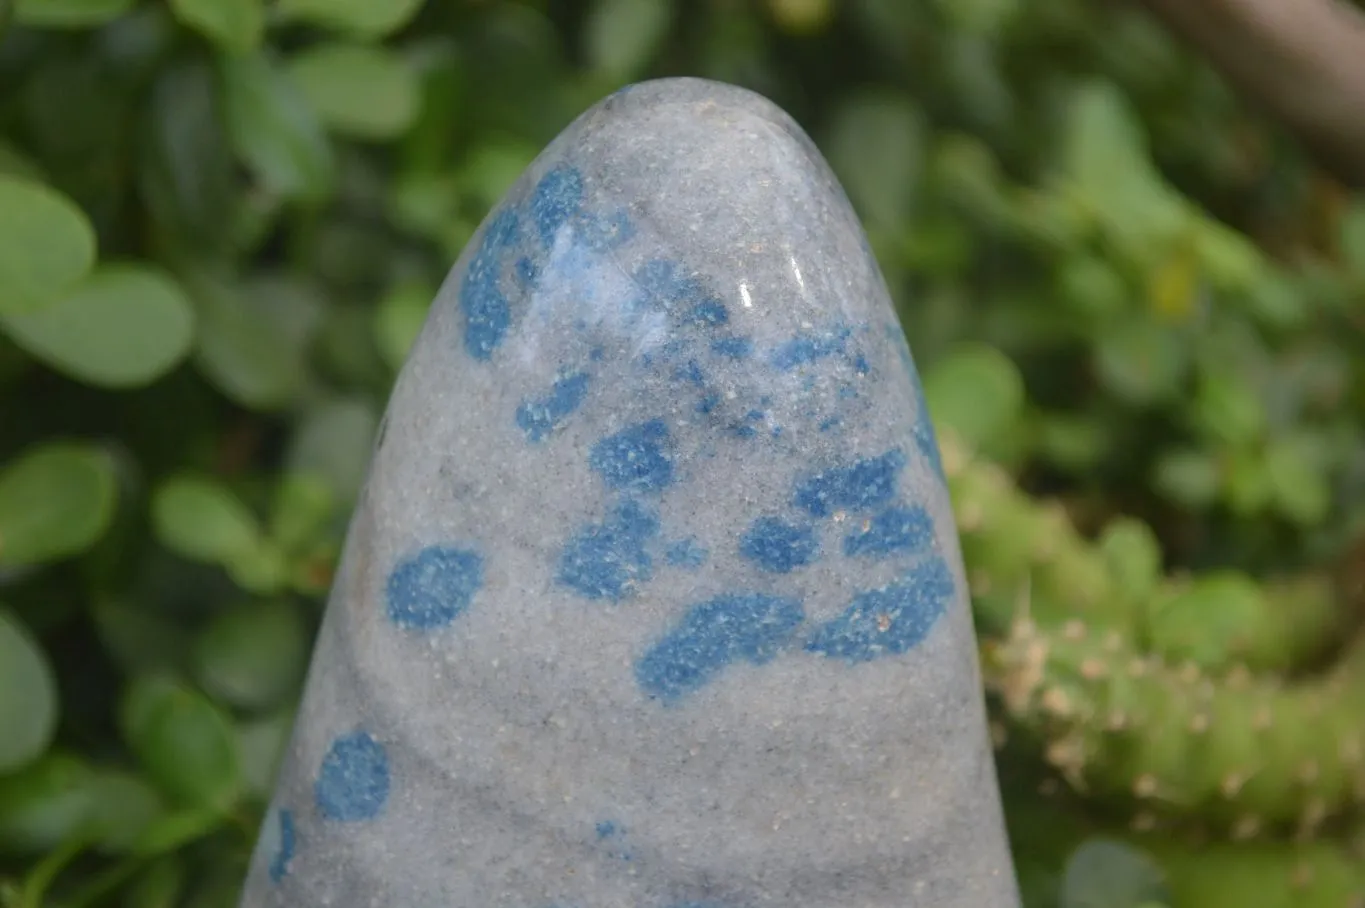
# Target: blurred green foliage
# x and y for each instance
(221, 223)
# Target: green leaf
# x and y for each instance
(305, 503)
(186, 175)
(123, 807)
(235, 26)
(1188, 477)
(187, 746)
(28, 696)
(136, 637)
(621, 36)
(253, 655)
(399, 319)
(56, 501)
(274, 129)
(1351, 237)
(1104, 873)
(360, 91)
(46, 244)
(1298, 479)
(263, 744)
(876, 146)
(124, 326)
(359, 18)
(201, 519)
(1106, 157)
(978, 392)
(1141, 361)
(44, 804)
(243, 348)
(333, 442)
(1229, 408)
(69, 13)
(158, 887)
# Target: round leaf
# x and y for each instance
(187, 746)
(978, 392)
(398, 321)
(273, 128)
(360, 18)
(123, 326)
(360, 91)
(243, 349)
(69, 13)
(55, 501)
(262, 744)
(253, 655)
(122, 807)
(622, 35)
(28, 696)
(46, 244)
(1110, 874)
(44, 804)
(876, 145)
(203, 520)
(234, 25)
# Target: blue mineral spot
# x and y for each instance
(527, 270)
(889, 621)
(609, 559)
(778, 546)
(606, 829)
(433, 588)
(686, 553)
(732, 347)
(539, 416)
(806, 349)
(635, 458)
(555, 200)
(708, 403)
(487, 314)
(864, 484)
(596, 354)
(750, 627)
(602, 233)
(829, 423)
(667, 287)
(860, 365)
(709, 313)
(923, 430)
(353, 782)
(284, 851)
(897, 529)
(690, 373)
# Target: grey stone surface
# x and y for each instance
(654, 597)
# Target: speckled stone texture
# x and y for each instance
(653, 599)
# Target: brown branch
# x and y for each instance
(1303, 60)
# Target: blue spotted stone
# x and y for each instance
(608, 560)
(353, 781)
(635, 458)
(433, 588)
(284, 849)
(539, 416)
(778, 546)
(865, 483)
(897, 529)
(749, 627)
(890, 620)
(649, 598)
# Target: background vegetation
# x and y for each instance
(1137, 306)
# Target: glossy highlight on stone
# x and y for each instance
(654, 597)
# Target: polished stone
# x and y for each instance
(654, 597)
